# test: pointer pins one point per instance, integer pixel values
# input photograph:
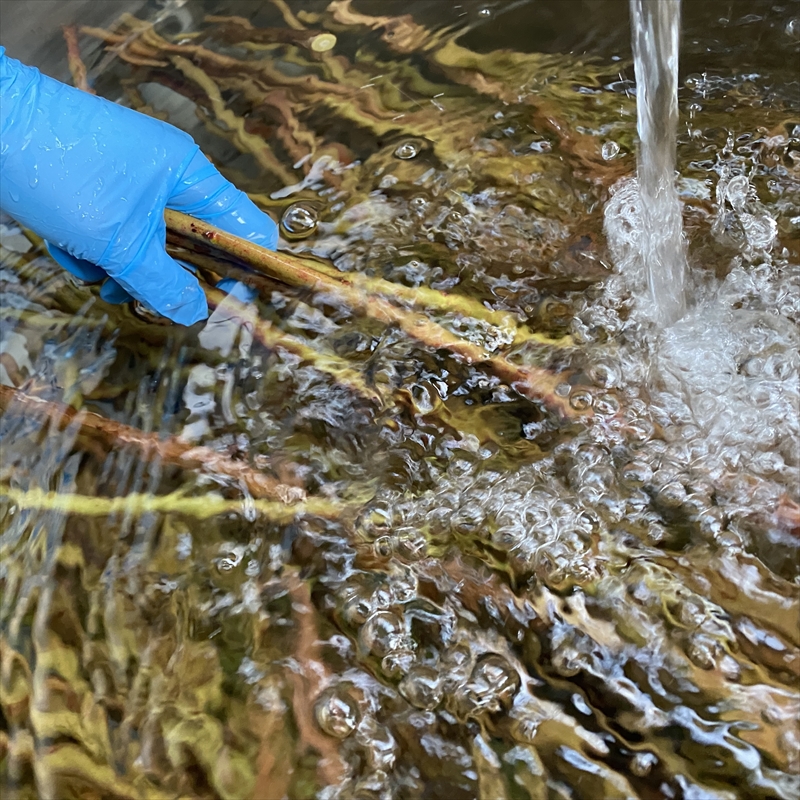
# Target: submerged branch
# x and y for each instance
(76, 66)
(306, 686)
(274, 338)
(137, 504)
(246, 141)
(537, 384)
(239, 30)
(150, 446)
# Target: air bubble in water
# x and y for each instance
(422, 687)
(610, 150)
(403, 588)
(736, 191)
(380, 632)
(492, 685)
(604, 374)
(398, 662)
(355, 610)
(642, 764)
(383, 546)
(702, 652)
(672, 495)
(336, 714)
(507, 537)
(580, 399)
(606, 405)
(408, 149)
(760, 230)
(299, 220)
(379, 745)
(636, 474)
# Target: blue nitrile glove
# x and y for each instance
(93, 179)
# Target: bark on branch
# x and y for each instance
(535, 383)
(150, 446)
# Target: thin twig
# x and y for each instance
(288, 16)
(247, 142)
(76, 66)
(274, 338)
(150, 446)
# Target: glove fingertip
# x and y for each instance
(238, 290)
(80, 268)
(159, 282)
(247, 221)
(185, 305)
(190, 313)
(204, 193)
(113, 293)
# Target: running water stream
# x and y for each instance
(655, 28)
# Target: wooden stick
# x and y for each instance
(238, 30)
(534, 383)
(421, 297)
(201, 507)
(150, 446)
(76, 66)
(288, 16)
(274, 338)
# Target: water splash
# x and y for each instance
(656, 37)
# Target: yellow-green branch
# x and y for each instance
(532, 382)
(203, 507)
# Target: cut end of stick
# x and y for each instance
(323, 43)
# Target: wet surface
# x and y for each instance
(359, 567)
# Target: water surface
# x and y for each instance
(494, 602)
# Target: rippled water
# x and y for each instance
(480, 598)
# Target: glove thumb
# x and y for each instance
(84, 270)
(163, 285)
(79, 267)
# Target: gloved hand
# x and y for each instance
(93, 179)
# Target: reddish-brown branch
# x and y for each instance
(76, 66)
(307, 686)
(533, 382)
(150, 446)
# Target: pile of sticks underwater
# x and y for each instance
(422, 314)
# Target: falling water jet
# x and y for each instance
(656, 35)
